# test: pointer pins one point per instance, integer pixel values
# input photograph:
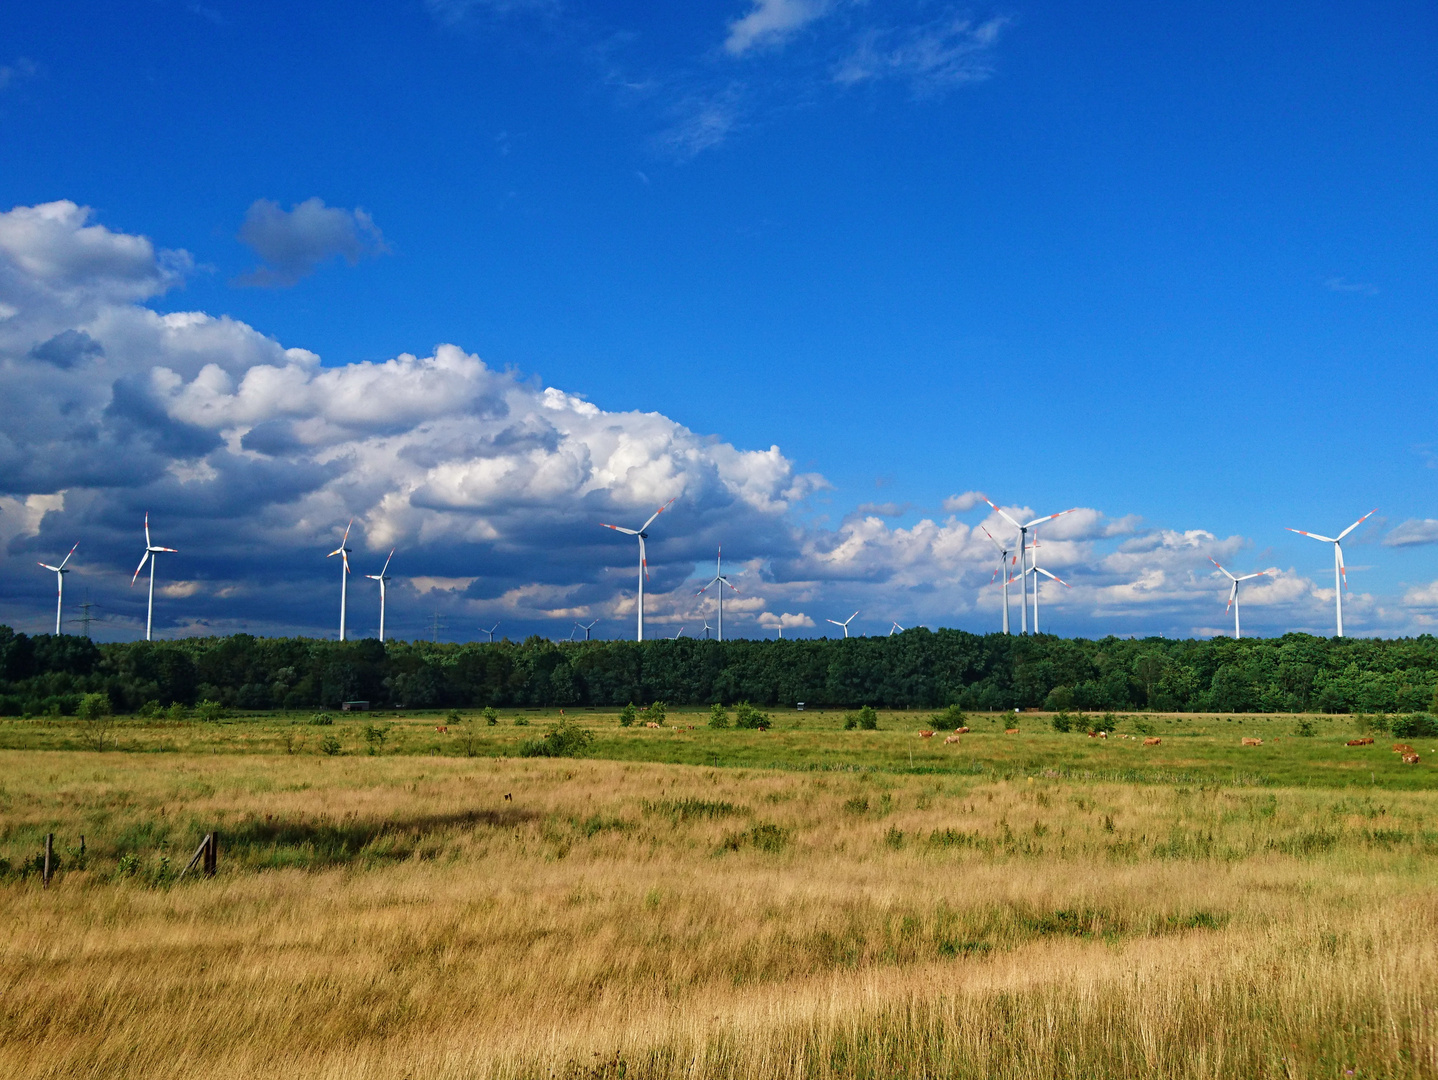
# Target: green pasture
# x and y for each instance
(1194, 748)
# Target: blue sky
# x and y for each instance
(1177, 266)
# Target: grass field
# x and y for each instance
(817, 904)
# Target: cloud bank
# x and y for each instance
(250, 456)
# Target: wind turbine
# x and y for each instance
(490, 632)
(151, 556)
(1340, 572)
(60, 573)
(896, 626)
(1035, 569)
(344, 554)
(1023, 562)
(1233, 593)
(1003, 558)
(707, 628)
(722, 580)
(380, 577)
(643, 562)
(844, 624)
(680, 634)
(586, 629)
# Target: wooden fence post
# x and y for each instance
(49, 858)
(212, 855)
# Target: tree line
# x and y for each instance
(918, 668)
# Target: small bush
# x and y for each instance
(177, 712)
(1062, 722)
(330, 746)
(323, 719)
(718, 716)
(654, 714)
(1141, 726)
(1307, 728)
(953, 716)
(565, 739)
(129, 865)
(866, 719)
(750, 718)
(762, 837)
(520, 721)
(894, 838)
(1415, 726)
(490, 716)
(150, 710)
(857, 805)
(628, 715)
(454, 718)
(375, 736)
(209, 711)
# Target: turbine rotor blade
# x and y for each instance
(1220, 566)
(1232, 596)
(143, 560)
(621, 528)
(47, 566)
(67, 557)
(656, 513)
(1053, 577)
(147, 528)
(1357, 523)
(1003, 515)
(1325, 539)
(643, 559)
(1050, 517)
(1247, 577)
(346, 539)
(386, 562)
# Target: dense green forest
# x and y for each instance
(917, 668)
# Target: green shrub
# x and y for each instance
(718, 716)
(564, 739)
(490, 716)
(520, 721)
(953, 716)
(763, 837)
(323, 719)
(1062, 722)
(1415, 726)
(129, 865)
(149, 710)
(1141, 726)
(330, 746)
(866, 719)
(1307, 728)
(857, 805)
(628, 715)
(209, 711)
(94, 710)
(750, 718)
(654, 714)
(177, 711)
(375, 736)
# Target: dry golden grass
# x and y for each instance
(398, 917)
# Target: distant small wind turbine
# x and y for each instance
(845, 623)
(1233, 593)
(896, 626)
(1023, 563)
(643, 561)
(380, 577)
(721, 580)
(586, 629)
(1340, 571)
(152, 552)
(1035, 569)
(490, 632)
(344, 554)
(680, 634)
(707, 628)
(1004, 557)
(60, 573)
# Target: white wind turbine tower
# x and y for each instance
(60, 573)
(490, 632)
(722, 581)
(1023, 560)
(1003, 558)
(643, 562)
(1233, 593)
(380, 577)
(1340, 572)
(1035, 569)
(344, 554)
(152, 552)
(845, 623)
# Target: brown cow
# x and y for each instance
(1011, 731)
(952, 739)
(1410, 759)
(1402, 748)
(1252, 742)
(926, 734)
(1152, 740)
(961, 731)
(1360, 742)
(442, 730)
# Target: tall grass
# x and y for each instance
(391, 917)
